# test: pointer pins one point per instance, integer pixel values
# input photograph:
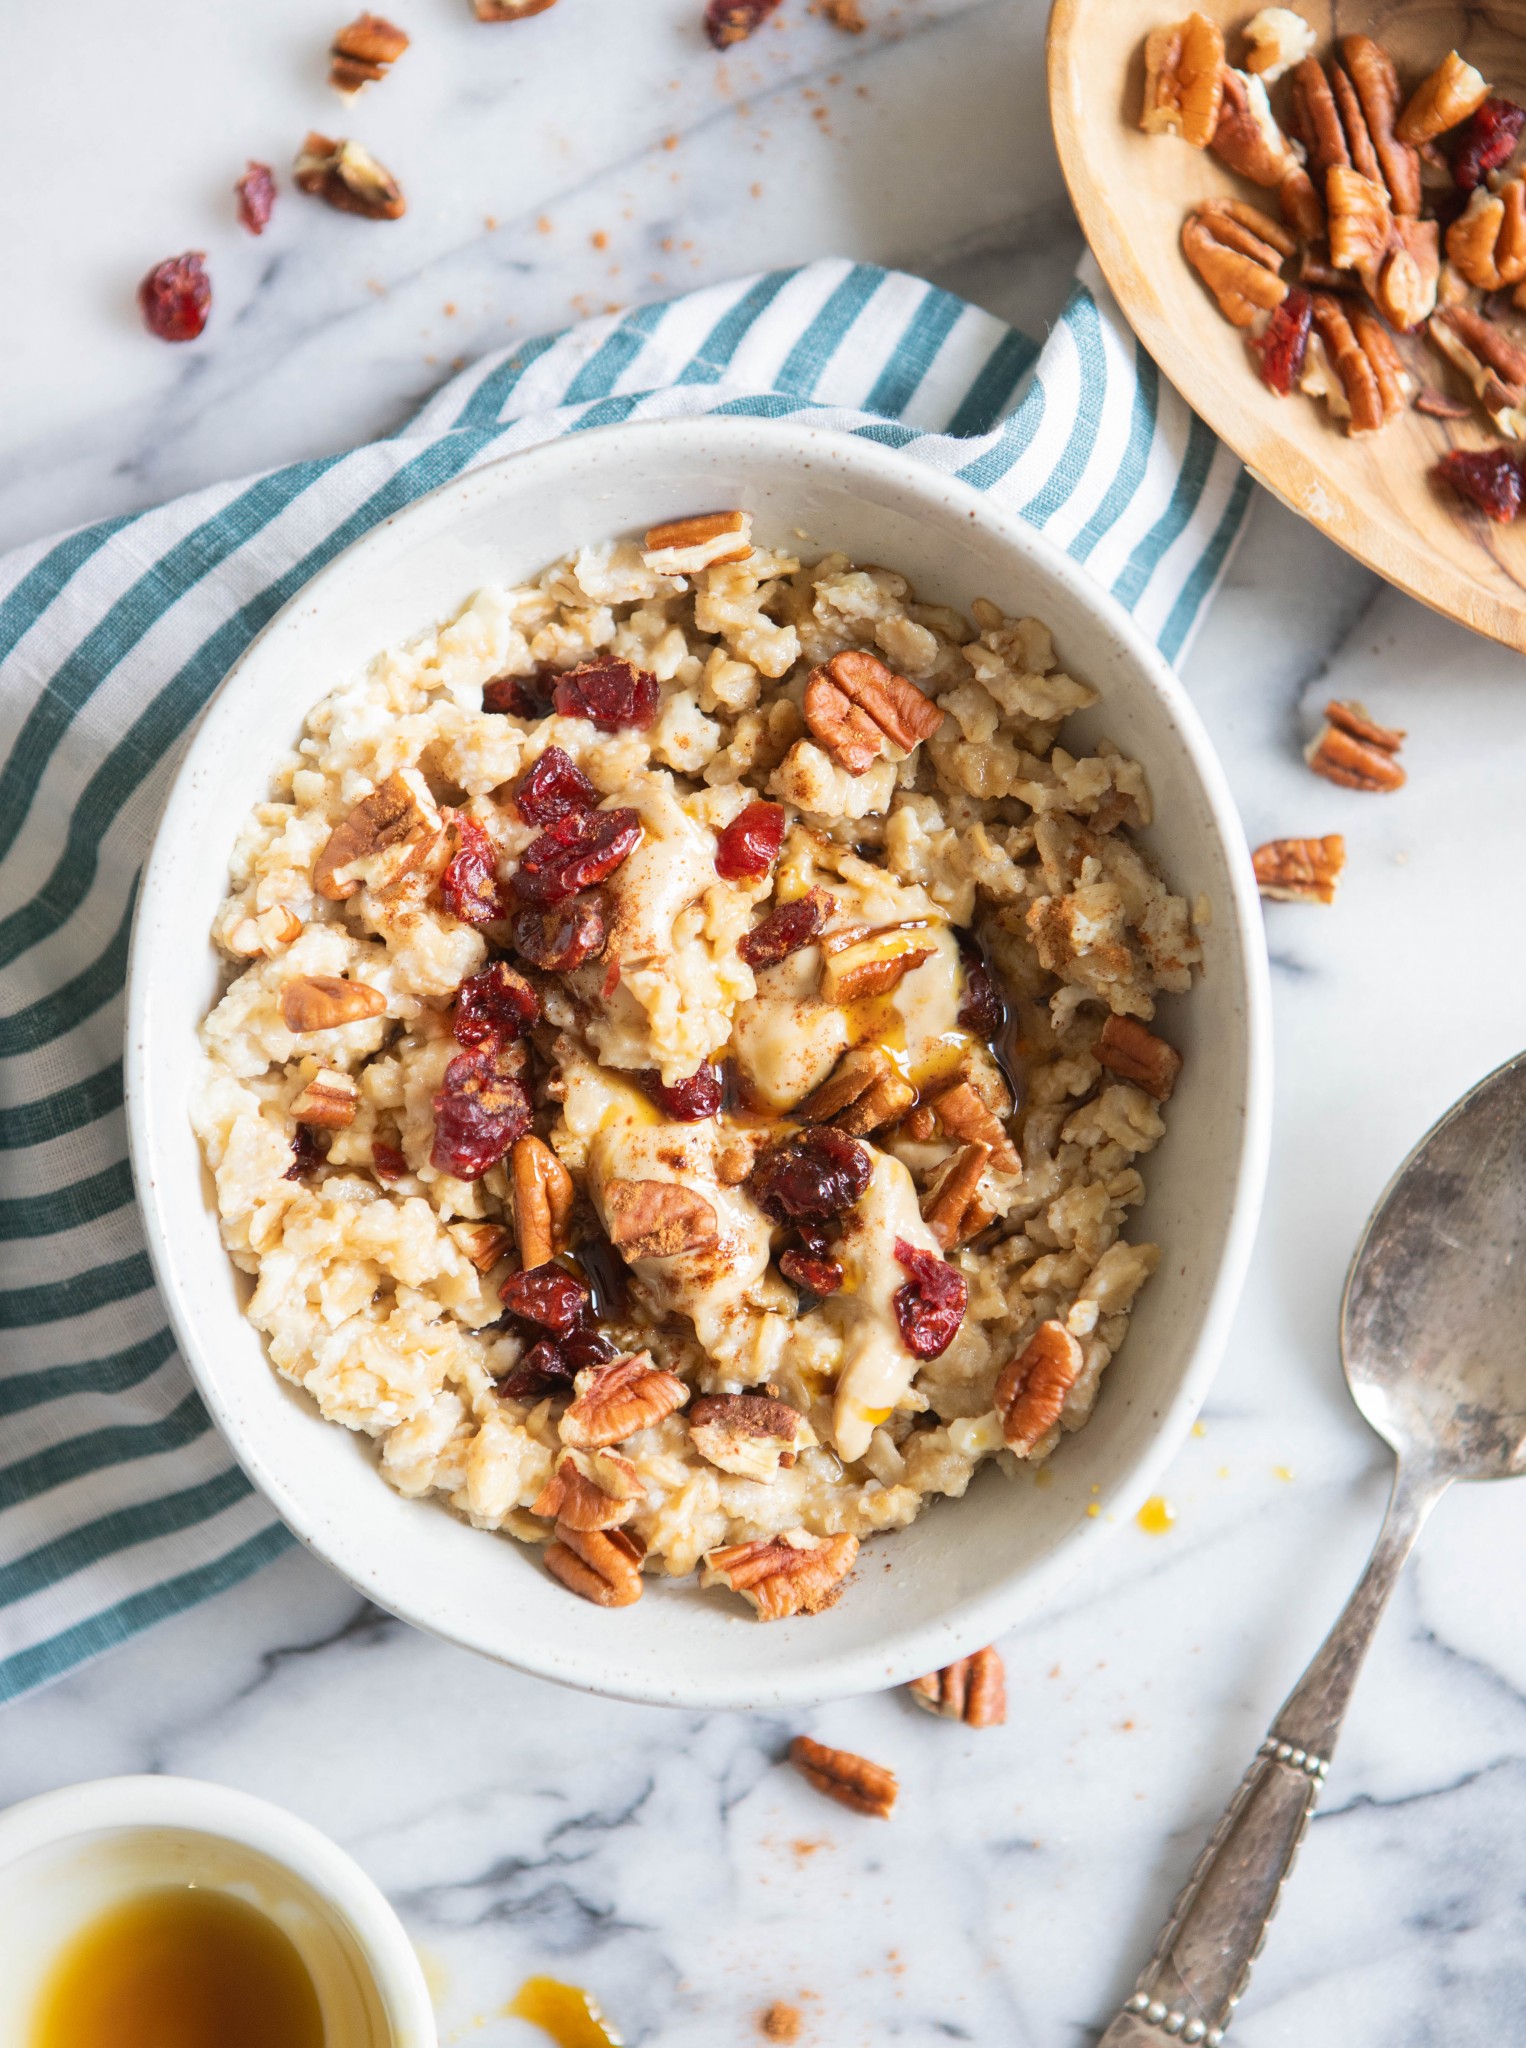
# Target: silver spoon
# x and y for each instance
(1432, 1338)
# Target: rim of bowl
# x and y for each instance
(981, 1617)
(197, 1806)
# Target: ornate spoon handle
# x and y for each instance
(1202, 1962)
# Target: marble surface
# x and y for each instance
(594, 155)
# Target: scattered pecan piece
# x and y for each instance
(1361, 222)
(270, 932)
(386, 834)
(1031, 1388)
(616, 1399)
(323, 1002)
(1376, 86)
(972, 1690)
(484, 1244)
(781, 2022)
(682, 547)
(364, 51)
(1126, 1049)
(952, 1208)
(329, 1100)
(176, 297)
(1351, 749)
(256, 191)
(862, 1092)
(589, 1490)
(787, 928)
(851, 1780)
(1238, 262)
(1300, 870)
(347, 177)
(1407, 282)
(1486, 356)
(1278, 40)
(795, 1573)
(1437, 405)
(542, 1196)
(1486, 244)
(858, 963)
(1453, 91)
(1300, 205)
(965, 1114)
(1362, 356)
(844, 14)
(656, 1219)
(1184, 80)
(603, 1565)
(733, 21)
(509, 10)
(1247, 137)
(749, 1435)
(854, 704)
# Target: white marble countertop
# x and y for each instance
(594, 155)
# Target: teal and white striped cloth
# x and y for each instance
(119, 1504)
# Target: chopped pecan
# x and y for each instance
(1351, 749)
(854, 705)
(972, 1689)
(484, 1244)
(851, 1780)
(347, 177)
(1278, 40)
(1438, 405)
(1452, 92)
(858, 963)
(1486, 244)
(603, 1565)
(1300, 870)
(329, 1100)
(1126, 1049)
(1487, 357)
(749, 1435)
(589, 1490)
(1184, 80)
(1031, 1388)
(1300, 205)
(1239, 264)
(1247, 137)
(385, 835)
(509, 10)
(1376, 86)
(682, 547)
(542, 1196)
(1361, 222)
(862, 1092)
(1362, 356)
(656, 1219)
(616, 1399)
(363, 52)
(952, 1208)
(733, 21)
(1405, 291)
(269, 932)
(965, 1114)
(323, 1002)
(787, 927)
(795, 1573)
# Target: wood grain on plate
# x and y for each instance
(1373, 494)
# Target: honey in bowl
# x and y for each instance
(180, 1966)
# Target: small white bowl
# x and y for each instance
(71, 1855)
(967, 1569)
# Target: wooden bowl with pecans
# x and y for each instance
(1364, 248)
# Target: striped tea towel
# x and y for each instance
(118, 1502)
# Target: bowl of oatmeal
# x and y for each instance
(697, 1063)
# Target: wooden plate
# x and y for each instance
(1373, 494)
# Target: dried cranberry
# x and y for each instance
(495, 1005)
(479, 1112)
(527, 697)
(553, 787)
(176, 297)
(816, 1275)
(732, 21)
(930, 1307)
(786, 930)
(750, 844)
(982, 1010)
(1486, 141)
(1280, 349)
(256, 191)
(559, 940)
(547, 1296)
(813, 1176)
(689, 1101)
(1489, 477)
(551, 1366)
(386, 1161)
(575, 853)
(307, 1154)
(611, 693)
(469, 887)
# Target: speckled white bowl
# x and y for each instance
(967, 1569)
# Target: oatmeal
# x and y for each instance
(686, 1059)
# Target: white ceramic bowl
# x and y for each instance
(967, 1568)
(71, 1855)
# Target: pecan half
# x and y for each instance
(542, 1195)
(972, 1690)
(1031, 1388)
(682, 547)
(851, 1780)
(347, 177)
(385, 835)
(1376, 86)
(1487, 357)
(1126, 1049)
(483, 1243)
(1184, 80)
(329, 1100)
(1361, 222)
(856, 963)
(323, 1002)
(1247, 137)
(1362, 356)
(1352, 749)
(1452, 92)
(854, 705)
(603, 1565)
(952, 1208)
(965, 1114)
(1487, 243)
(1405, 292)
(656, 1219)
(1300, 205)
(746, 1434)
(1300, 870)
(1238, 261)
(862, 1092)
(617, 1399)
(364, 51)
(269, 933)
(795, 1573)
(589, 1490)
(1317, 119)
